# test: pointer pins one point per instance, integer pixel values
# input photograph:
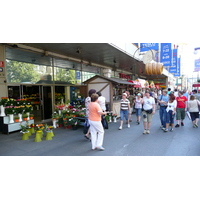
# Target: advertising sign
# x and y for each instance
(1, 64)
(148, 46)
(166, 54)
(178, 68)
(197, 65)
(173, 68)
(78, 75)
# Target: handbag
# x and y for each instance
(104, 122)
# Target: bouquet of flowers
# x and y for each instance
(28, 108)
(48, 128)
(4, 101)
(25, 128)
(73, 122)
(9, 110)
(39, 126)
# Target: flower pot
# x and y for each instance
(16, 120)
(114, 119)
(31, 118)
(2, 111)
(69, 126)
(54, 123)
(110, 119)
(11, 118)
(26, 119)
(20, 117)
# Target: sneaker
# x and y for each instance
(171, 130)
(100, 148)
(161, 126)
(196, 125)
(182, 124)
(130, 120)
(120, 128)
(129, 126)
(148, 132)
(144, 132)
(166, 130)
(138, 123)
(177, 125)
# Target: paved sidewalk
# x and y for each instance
(184, 141)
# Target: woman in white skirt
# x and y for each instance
(96, 128)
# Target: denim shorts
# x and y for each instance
(123, 113)
(138, 111)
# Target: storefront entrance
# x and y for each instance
(40, 97)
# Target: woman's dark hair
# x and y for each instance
(181, 92)
(94, 97)
(92, 91)
(99, 93)
(172, 97)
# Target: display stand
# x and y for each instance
(6, 127)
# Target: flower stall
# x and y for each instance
(12, 112)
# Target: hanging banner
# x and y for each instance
(166, 54)
(173, 68)
(178, 68)
(148, 46)
(197, 65)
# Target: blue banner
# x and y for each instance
(78, 75)
(148, 46)
(178, 68)
(197, 65)
(173, 68)
(166, 54)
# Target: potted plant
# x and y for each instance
(31, 116)
(25, 117)
(16, 118)
(74, 122)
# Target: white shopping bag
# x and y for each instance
(188, 114)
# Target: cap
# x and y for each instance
(124, 94)
(138, 94)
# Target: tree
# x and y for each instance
(67, 76)
(18, 72)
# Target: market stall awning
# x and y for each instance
(196, 85)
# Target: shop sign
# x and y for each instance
(148, 46)
(78, 75)
(125, 76)
(166, 54)
(1, 64)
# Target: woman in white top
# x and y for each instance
(170, 112)
(138, 107)
(194, 110)
(148, 111)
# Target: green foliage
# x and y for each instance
(67, 76)
(18, 72)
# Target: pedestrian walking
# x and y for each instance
(193, 108)
(130, 98)
(124, 110)
(181, 108)
(138, 107)
(163, 100)
(176, 93)
(170, 112)
(87, 102)
(96, 127)
(148, 111)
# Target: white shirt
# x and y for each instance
(171, 106)
(176, 94)
(102, 102)
(148, 103)
(193, 106)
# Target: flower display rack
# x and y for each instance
(6, 127)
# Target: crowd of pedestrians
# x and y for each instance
(171, 104)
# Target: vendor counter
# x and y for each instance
(116, 108)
